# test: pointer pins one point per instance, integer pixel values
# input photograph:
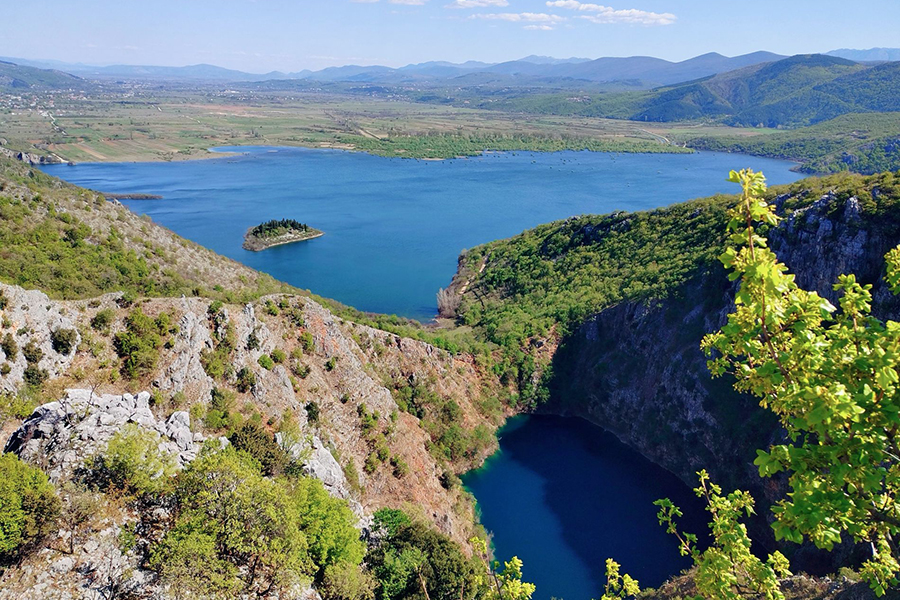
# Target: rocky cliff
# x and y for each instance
(636, 368)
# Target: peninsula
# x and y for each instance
(277, 232)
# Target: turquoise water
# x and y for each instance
(394, 227)
(564, 495)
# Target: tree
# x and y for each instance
(29, 507)
(253, 439)
(79, 505)
(139, 344)
(831, 376)
(413, 561)
(346, 581)
(328, 523)
(238, 530)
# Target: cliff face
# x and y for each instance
(636, 369)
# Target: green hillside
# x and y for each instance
(17, 77)
(797, 91)
(864, 143)
(547, 281)
(783, 93)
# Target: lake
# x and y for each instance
(394, 228)
(561, 494)
(564, 495)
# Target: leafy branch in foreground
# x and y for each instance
(506, 584)
(831, 377)
(727, 570)
(619, 586)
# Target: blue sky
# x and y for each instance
(290, 35)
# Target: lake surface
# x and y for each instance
(564, 495)
(394, 227)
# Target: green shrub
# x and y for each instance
(215, 419)
(278, 355)
(261, 445)
(9, 346)
(133, 463)
(246, 379)
(4, 301)
(214, 308)
(34, 375)
(401, 468)
(367, 420)
(103, 319)
(126, 299)
(390, 520)
(372, 463)
(329, 366)
(5, 369)
(307, 342)
(64, 340)
(141, 341)
(266, 362)
(346, 581)
(32, 352)
(29, 507)
(312, 412)
(252, 341)
(220, 413)
(300, 370)
(217, 362)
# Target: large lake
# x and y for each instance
(394, 227)
(561, 494)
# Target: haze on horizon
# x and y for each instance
(267, 35)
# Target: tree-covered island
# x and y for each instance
(277, 232)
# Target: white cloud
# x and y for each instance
(521, 17)
(476, 3)
(606, 14)
(540, 27)
(409, 2)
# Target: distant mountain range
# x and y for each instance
(796, 91)
(870, 55)
(648, 71)
(692, 96)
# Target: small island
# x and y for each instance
(277, 232)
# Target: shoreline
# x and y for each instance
(214, 153)
(255, 244)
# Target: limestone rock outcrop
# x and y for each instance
(31, 317)
(60, 435)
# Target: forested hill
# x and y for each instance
(795, 91)
(779, 93)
